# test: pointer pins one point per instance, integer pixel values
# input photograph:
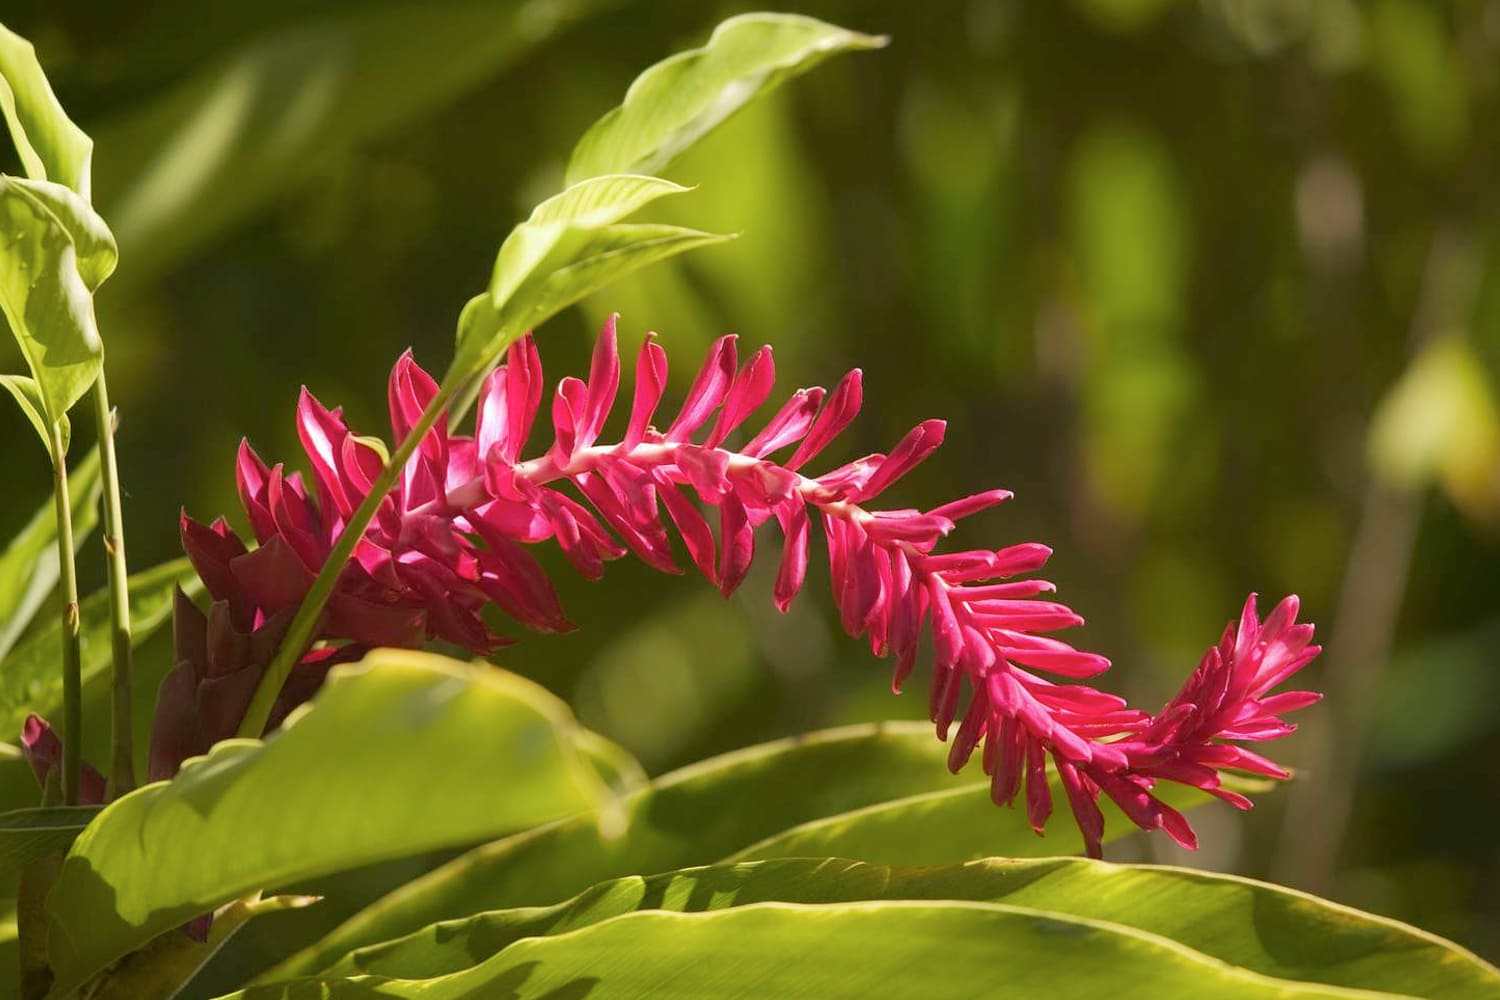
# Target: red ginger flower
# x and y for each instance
(421, 557)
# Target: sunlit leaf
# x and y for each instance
(30, 679)
(1252, 925)
(901, 948)
(403, 753)
(698, 815)
(56, 252)
(681, 99)
(584, 260)
(50, 146)
(28, 396)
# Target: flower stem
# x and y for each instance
(72, 730)
(303, 628)
(122, 760)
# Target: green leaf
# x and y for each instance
(51, 147)
(28, 396)
(681, 99)
(855, 950)
(28, 566)
(568, 219)
(27, 834)
(270, 114)
(56, 252)
(1253, 925)
(403, 753)
(31, 681)
(698, 815)
(581, 261)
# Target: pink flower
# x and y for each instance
(452, 538)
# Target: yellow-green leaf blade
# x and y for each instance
(697, 815)
(894, 949)
(678, 101)
(1252, 925)
(403, 753)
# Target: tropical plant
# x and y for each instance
(303, 732)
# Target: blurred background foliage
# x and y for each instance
(1213, 286)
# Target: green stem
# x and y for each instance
(302, 631)
(122, 738)
(72, 729)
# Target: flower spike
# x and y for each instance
(451, 540)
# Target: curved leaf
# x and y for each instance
(403, 753)
(696, 815)
(30, 680)
(28, 566)
(1253, 925)
(681, 99)
(28, 396)
(51, 147)
(57, 251)
(581, 261)
(559, 224)
(855, 950)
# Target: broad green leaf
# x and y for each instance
(582, 261)
(28, 396)
(26, 834)
(681, 99)
(51, 147)
(855, 950)
(212, 152)
(28, 566)
(697, 815)
(30, 680)
(403, 753)
(56, 252)
(1253, 925)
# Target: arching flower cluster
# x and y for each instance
(453, 538)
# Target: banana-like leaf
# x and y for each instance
(57, 252)
(895, 949)
(699, 815)
(51, 147)
(1253, 925)
(204, 157)
(403, 753)
(27, 834)
(28, 566)
(681, 99)
(30, 680)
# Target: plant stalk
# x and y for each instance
(72, 729)
(122, 737)
(303, 630)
